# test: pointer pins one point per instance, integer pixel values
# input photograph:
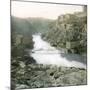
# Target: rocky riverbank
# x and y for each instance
(43, 76)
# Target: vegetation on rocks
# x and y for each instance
(69, 32)
(20, 42)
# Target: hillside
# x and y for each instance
(70, 33)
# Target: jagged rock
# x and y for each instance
(28, 60)
(38, 76)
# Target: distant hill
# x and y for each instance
(21, 26)
(41, 25)
(30, 25)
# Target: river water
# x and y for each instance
(44, 53)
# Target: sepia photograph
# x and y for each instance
(48, 44)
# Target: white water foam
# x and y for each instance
(46, 54)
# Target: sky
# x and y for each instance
(50, 11)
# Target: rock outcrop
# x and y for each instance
(43, 76)
(69, 32)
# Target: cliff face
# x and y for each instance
(69, 32)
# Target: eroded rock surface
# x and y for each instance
(39, 76)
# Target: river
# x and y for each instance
(45, 54)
